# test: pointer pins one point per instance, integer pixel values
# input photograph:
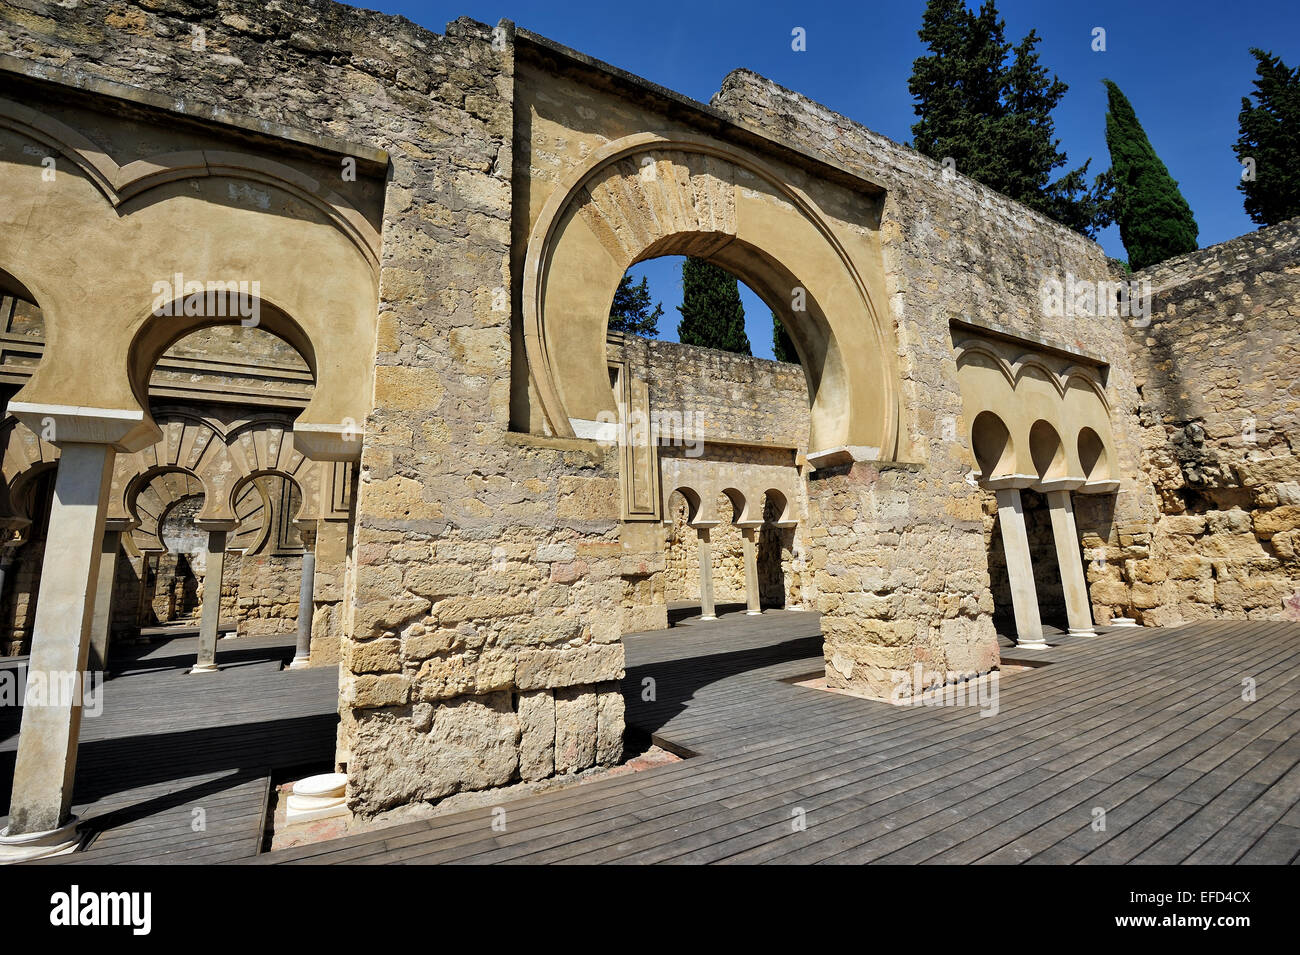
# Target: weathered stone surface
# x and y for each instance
(537, 734)
(593, 663)
(576, 728)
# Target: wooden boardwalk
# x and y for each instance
(177, 768)
(1148, 726)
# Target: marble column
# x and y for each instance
(1020, 569)
(749, 536)
(214, 564)
(1078, 610)
(306, 591)
(40, 808)
(102, 621)
(707, 610)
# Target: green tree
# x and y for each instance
(1154, 219)
(712, 313)
(631, 311)
(782, 347)
(1270, 136)
(987, 106)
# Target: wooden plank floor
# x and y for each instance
(1147, 726)
(177, 768)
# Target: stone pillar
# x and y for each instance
(39, 813)
(749, 535)
(306, 589)
(102, 622)
(707, 610)
(1020, 569)
(214, 564)
(1066, 535)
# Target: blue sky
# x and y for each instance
(1185, 64)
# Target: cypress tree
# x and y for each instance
(712, 313)
(631, 312)
(1154, 219)
(782, 348)
(987, 106)
(1270, 135)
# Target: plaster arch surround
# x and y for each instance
(316, 278)
(649, 194)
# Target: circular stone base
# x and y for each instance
(317, 797)
(39, 845)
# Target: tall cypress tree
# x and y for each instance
(1154, 219)
(1270, 136)
(712, 313)
(782, 347)
(988, 106)
(631, 311)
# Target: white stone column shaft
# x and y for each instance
(213, 566)
(1078, 611)
(47, 741)
(306, 604)
(1020, 569)
(102, 621)
(707, 610)
(753, 604)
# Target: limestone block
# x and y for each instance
(609, 724)
(391, 689)
(374, 656)
(576, 729)
(554, 668)
(537, 734)
(467, 674)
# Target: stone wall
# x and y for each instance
(899, 557)
(264, 590)
(1217, 373)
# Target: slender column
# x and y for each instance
(1077, 608)
(102, 621)
(214, 564)
(707, 611)
(1020, 569)
(749, 534)
(306, 605)
(51, 723)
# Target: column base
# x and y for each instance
(204, 668)
(1081, 632)
(708, 617)
(1037, 643)
(752, 613)
(39, 845)
(1124, 622)
(798, 607)
(299, 663)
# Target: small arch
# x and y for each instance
(776, 506)
(692, 499)
(739, 505)
(991, 441)
(1046, 451)
(1093, 456)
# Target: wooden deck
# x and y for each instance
(1147, 725)
(177, 768)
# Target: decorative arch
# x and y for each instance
(648, 195)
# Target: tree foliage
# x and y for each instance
(782, 347)
(712, 313)
(987, 105)
(1154, 219)
(1270, 137)
(631, 311)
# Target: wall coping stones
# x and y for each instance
(1015, 336)
(278, 133)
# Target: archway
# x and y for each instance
(645, 196)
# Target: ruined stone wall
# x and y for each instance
(722, 396)
(899, 558)
(265, 590)
(1217, 370)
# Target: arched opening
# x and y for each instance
(779, 585)
(1046, 451)
(642, 198)
(1093, 456)
(681, 554)
(992, 444)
